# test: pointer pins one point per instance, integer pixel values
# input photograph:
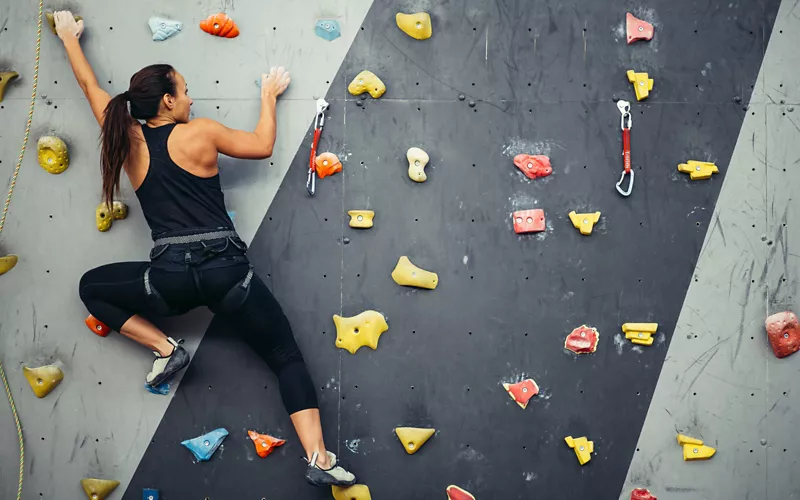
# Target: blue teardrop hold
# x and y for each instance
(327, 29)
(202, 447)
(149, 494)
(161, 389)
(163, 28)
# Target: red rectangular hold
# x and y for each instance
(529, 221)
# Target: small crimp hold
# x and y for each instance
(456, 493)
(361, 219)
(52, 154)
(119, 210)
(43, 379)
(698, 170)
(529, 221)
(584, 222)
(413, 438)
(415, 25)
(638, 29)
(358, 331)
(327, 29)
(150, 494)
(783, 333)
(407, 274)
(5, 78)
(582, 446)
(522, 392)
(265, 444)
(97, 326)
(640, 333)
(327, 164)
(367, 81)
(533, 166)
(642, 84)
(202, 447)
(582, 340)
(98, 489)
(694, 449)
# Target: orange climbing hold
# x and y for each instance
(642, 494)
(220, 25)
(97, 326)
(327, 164)
(265, 444)
(582, 340)
(529, 221)
(784, 333)
(638, 29)
(456, 493)
(522, 392)
(533, 166)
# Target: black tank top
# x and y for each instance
(173, 199)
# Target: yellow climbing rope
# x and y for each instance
(2, 223)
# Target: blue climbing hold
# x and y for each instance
(232, 213)
(202, 447)
(163, 28)
(161, 389)
(149, 494)
(327, 29)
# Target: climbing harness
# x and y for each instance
(626, 122)
(319, 121)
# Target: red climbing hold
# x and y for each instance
(529, 221)
(522, 392)
(784, 333)
(582, 340)
(642, 494)
(265, 444)
(533, 166)
(638, 29)
(456, 493)
(97, 326)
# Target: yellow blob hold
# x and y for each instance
(684, 440)
(358, 331)
(43, 379)
(417, 160)
(120, 210)
(584, 222)
(53, 154)
(697, 452)
(103, 217)
(415, 25)
(52, 22)
(7, 263)
(367, 81)
(98, 489)
(698, 170)
(642, 85)
(407, 274)
(5, 78)
(413, 438)
(582, 446)
(640, 333)
(361, 219)
(355, 492)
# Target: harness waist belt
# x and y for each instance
(194, 238)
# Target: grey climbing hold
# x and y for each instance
(202, 447)
(346, 240)
(790, 109)
(327, 29)
(163, 28)
(359, 103)
(461, 97)
(763, 442)
(737, 99)
(471, 104)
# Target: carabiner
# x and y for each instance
(630, 186)
(625, 124)
(319, 122)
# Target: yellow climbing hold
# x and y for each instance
(53, 154)
(361, 219)
(698, 170)
(358, 331)
(684, 440)
(98, 489)
(7, 263)
(584, 222)
(355, 492)
(642, 84)
(103, 217)
(52, 22)
(693, 449)
(43, 379)
(415, 25)
(417, 160)
(582, 446)
(5, 78)
(413, 438)
(407, 274)
(367, 81)
(120, 210)
(640, 333)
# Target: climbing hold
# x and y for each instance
(642, 493)
(456, 493)
(328, 29)
(361, 219)
(220, 25)
(642, 85)
(163, 28)
(407, 274)
(698, 170)
(582, 446)
(357, 331)
(522, 392)
(97, 326)
(533, 166)
(684, 439)
(103, 217)
(5, 78)
(202, 447)
(584, 222)
(640, 333)
(638, 29)
(529, 221)
(7, 263)
(120, 210)
(413, 438)
(355, 492)
(53, 154)
(582, 340)
(417, 160)
(43, 379)
(415, 25)
(52, 21)
(367, 81)
(327, 164)
(149, 494)
(265, 444)
(783, 333)
(98, 489)
(161, 389)
(693, 449)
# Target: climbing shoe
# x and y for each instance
(334, 476)
(165, 367)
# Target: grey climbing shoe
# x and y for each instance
(335, 476)
(165, 367)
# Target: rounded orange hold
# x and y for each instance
(97, 326)
(327, 164)
(265, 444)
(220, 25)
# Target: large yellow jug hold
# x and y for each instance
(415, 25)
(98, 489)
(53, 154)
(358, 331)
(43, 379)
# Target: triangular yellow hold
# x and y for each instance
(584, 222)
(7, 263)
(98, 489)
(43, 379)
(697, 452)
(413, 437)
(582, 446)
(415, 25)
(684, 439)
(5, 79)
(698, 170)
(355, 492)
(358, 331)
(407, 274)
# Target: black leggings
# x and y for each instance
(115, 292)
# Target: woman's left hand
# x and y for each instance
(66, 25)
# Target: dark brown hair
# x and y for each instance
(146, 90)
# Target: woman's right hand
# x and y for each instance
(66, 26)
(274, 83)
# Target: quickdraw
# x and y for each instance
(626, 122)
(319, 121)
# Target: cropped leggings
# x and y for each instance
(215, 274)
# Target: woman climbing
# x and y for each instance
(197, 257)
